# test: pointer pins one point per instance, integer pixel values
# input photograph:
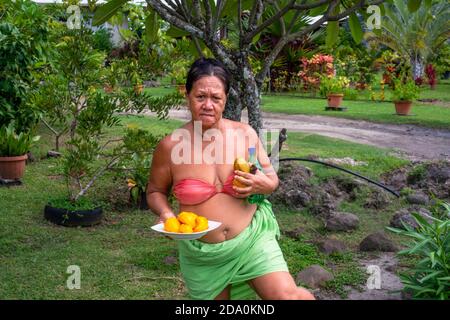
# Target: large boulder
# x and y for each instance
(404, 215)
(294, 191)
(419, 198)
(341, 221)
(377, 241)
(330, 246)
(314, 276)
(377, 200)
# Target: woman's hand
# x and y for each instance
(164, 216)
(257, 183)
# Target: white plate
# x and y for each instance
(186, 236)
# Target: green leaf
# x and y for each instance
(318, 11)
(355, 28)
(414, 5)
(106, 11)
(151, 26)
(135, 193)
(175, 32)
(332, 33)
(431, 275)
(419, 245)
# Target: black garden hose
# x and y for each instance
(345, 170)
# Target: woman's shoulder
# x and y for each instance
(238, 125)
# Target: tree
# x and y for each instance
(414, 35)
(243, 21)
(23, 46)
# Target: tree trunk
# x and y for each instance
(417, 67)
(244, 94)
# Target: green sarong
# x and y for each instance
(208, 269)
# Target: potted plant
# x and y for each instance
(13, 152)
(138, 145)
(179, 74)
(84, 110)
(333, 88)
(403, 96)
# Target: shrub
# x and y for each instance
(407, 91)
(431, 74)
(319, 65)
(23, 46)
(333, 85)
(430, 277)
(102, 40)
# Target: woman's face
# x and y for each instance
(207, 100)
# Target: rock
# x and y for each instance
(324, 205)
(341, 221)
(377, 200)
(404, 215)
(298, 198)
(330, 246)
(314, 276)
(53, 154)
(439, 172)
(418, 198)
(170, 260)
(295, 233)
(377, 242)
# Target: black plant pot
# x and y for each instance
(64, 217)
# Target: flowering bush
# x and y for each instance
(314, 68)
(431, 74)
(332, 85)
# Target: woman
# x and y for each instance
(243, 252)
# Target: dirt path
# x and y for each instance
(412, 142)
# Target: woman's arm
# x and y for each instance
(160, 181)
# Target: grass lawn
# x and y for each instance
(383, 112)
(123, 259)
(426, 115)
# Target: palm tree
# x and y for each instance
(413, 35)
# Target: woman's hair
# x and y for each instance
(204, 67)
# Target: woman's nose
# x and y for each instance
(208, 104)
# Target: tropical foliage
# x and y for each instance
(415, 35)
(23, 46)
(430, 277)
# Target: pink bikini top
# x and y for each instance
(195, 191)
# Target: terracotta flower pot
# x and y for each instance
(335, 100)
(402, 107)
(12, 168)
